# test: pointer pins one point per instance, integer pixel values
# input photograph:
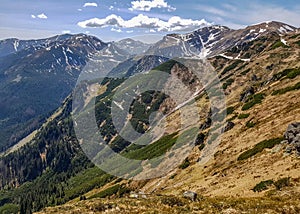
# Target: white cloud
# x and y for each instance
(116, 30)
(175, 23)
(42, 16)
(79, 9)
(145, 5)
(111, 7)
(90, 4)
(66, 32)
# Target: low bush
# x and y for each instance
(290, 73)
(250, 124)
(227, 83)
(287, 89)
(230, 110)
(263, 185)
(279, 44)
(246, 71)
(253, 100)
(172, 201)
(243, 116)
(231, 67)
(283, 182)
(186, 163)
(259, 148)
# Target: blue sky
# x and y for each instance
(116, 19)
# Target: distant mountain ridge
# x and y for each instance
(213, 40)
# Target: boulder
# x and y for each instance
(247, 93)
(292, 136)
(229, 126)
(190, 195)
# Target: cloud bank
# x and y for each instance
(145, 5)
(175, 23)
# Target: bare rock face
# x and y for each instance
(292, 136)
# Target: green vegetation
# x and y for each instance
(9, 209)
(250, 124)
(290, 73)
(253, 100)
(230, 110)
(185, 164)
(231, 66)
(279, 44)
(263, 185)
(227, 83)
(172, 201)
(153, 150)
(287, 89)
(117, 189)
(259, 148)
(167, 66)
(283, 182)
(232, 118)
(246, 71)
(279, 184)
(243, 116)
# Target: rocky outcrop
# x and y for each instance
(292, 136)
(190, 195)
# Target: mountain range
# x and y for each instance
(43, 164)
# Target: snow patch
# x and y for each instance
(283, 41)
(16, 45)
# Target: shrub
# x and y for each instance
(290, 73)
(227, 83)
(287, 89)
(253, 100)
(263, 185)
(246, 71)
(283, 182)
(172, 176)
(186, 163)
(243, 116)
(260, 147)
(230, 110)
(279, 44)
(172, 201)
(231, 67)
(250, 124)
(107, 192)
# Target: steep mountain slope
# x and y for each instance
(35, 80)
(133, 47)
(136, 65)
(260, 77)
(253, 170)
